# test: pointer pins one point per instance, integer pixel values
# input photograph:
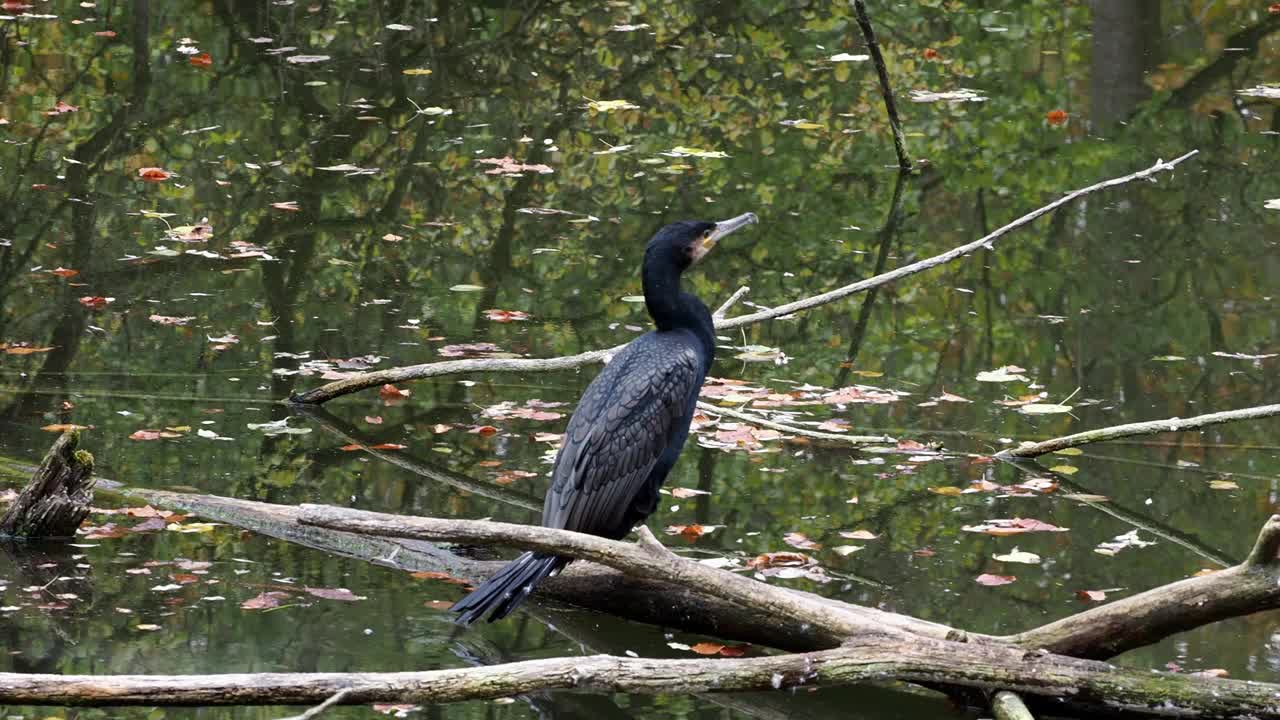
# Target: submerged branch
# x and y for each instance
(355, 383)
(1150, 427)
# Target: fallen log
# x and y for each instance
(1084, 685)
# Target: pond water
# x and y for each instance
(206, 208)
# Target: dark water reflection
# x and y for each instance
(402, 245)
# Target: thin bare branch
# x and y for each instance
(1150, 427)
(855, 440)
(733, 299)
(320, 709)
(338, 388)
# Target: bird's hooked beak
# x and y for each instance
(722, 228)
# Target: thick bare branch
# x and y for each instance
(1008, 706)
(355, 383)
(1150, 427)
(631, 558)
(1082, 683)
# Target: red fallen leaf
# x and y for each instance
(707, 648)
(153, 174)
(1212, 672)
(930, 54)
(434, 605)
(911, 445)
(201, 60)
(96, 302)
(1091, 595)
(145, 435)
(734, 650)
(64, 272)
(443, 577)
(689, 532)
(490, 463)
(61, 108)
(104, 532)
(373, 420)
(485, 430)
(993, 580)
(1056, 117)
(39, 186)
(106, 33)
(287, 206)
(351, 448)
(14, 6)
(342, 594)
(984, 460)
(265, 601)
(800, 540)
(924, 552)
(388, 446)
(63, 427)
(185, 578)
(505, 316)
(779, 559)
(1274, 9)
(391, 392)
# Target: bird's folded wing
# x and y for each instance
(624, 422)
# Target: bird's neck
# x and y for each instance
(672, 309)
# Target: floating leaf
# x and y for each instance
(1223, 485)
(682, 151)
(1008, 373)
(1019, 556)
(846, 57)
(846, 550)
(1065, 469)
(1044, 409)
(611, 105)
(300, 59)
(467, 288)
(994, 580)
(416, 71)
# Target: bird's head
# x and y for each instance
(687, 242)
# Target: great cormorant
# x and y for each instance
(631, 422)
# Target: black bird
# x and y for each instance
(631, 422)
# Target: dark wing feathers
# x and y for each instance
(626, 419)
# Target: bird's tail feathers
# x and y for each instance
(505, 590)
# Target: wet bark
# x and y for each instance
(58, 497)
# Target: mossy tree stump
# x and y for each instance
(58, 497)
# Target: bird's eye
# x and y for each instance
(706, 234)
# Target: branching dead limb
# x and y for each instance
(355, 383)
(1150, 427)
(649, 559)
(886, 90)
